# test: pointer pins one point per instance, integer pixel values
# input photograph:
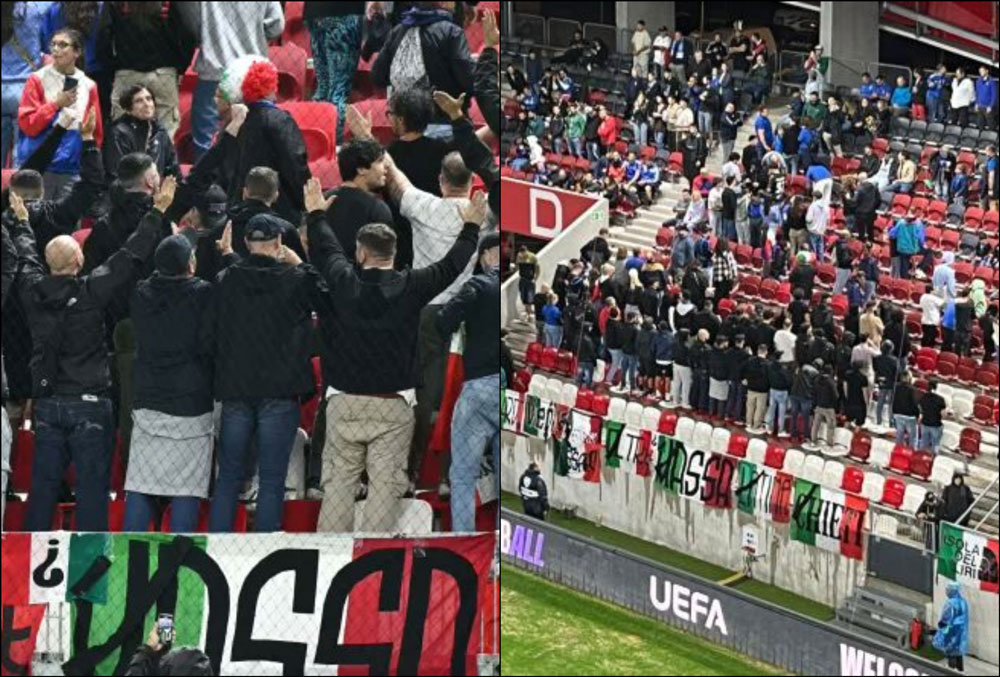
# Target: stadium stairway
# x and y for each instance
(882, 611)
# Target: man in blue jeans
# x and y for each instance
(263, 341)
(70, 379)
(475, 424)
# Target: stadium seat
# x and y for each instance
(738, 445)
(775, 457)
(616, 410)
(684, 431)
(600, 404)
(853, 479)
(668, 423)
(702, 436)
(794, 461)
(566, 363)
(633, 415)
(833, 474)
(651, 418)
(317, 144)
(920, 465)
(290, 60)
(982, 409)
(881, 453)
(327, 171)
(549, 357)
(584, 399)
(533, 354)
(812, 469)
(912, 499)
(861, 447)
(901, 459)
(301, 516)
(893, 491)
(314, 114)
(757, 451)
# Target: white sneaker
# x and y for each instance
(314, 494)
(783, 435)
(810, 446)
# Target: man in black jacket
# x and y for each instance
(447, 64)
(474, 424)
(370, 369)
(263, 346)
(801, 399)
(8, 269)
(138, 131)
(754, 376)
(534, 493)
(825, 394)
(69, 363)
(866, 203)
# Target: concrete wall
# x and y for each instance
(636, 506)
(984, 609)
(848, 31)
(655, 14)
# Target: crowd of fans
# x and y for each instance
(184, 319)
(823, 204)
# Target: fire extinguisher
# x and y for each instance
(916, 634)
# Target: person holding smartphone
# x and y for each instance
(59, 89)
(155, 657)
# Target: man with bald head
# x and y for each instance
(69, 362)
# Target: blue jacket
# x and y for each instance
(952, 637)
(663, 346)
(552, 315)
(868, 91)
(936, 82)
(986, 92)
(902, 97)
(884, 91)
(909, 236)
(959, 185)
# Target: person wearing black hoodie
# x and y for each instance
(801, 399)
(630, 352)
(586, 357)
(663, 357)
(644, 350)
(738, 356)
(955, 500)
(886, 368)
(825, 393)
(172, 436)
(69, 364)
(754, 376)
(698, 354)
(718, 373)
(534, 493)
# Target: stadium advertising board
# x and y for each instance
(257, 604)
(540, 211)
(727, 617)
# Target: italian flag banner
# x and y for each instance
(538, 418)
(511, 410)
(828, 519)
(578, 447)
(969, 558)
(628, 449)
(764, 492)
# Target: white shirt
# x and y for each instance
(436, 225)
(817, 217)
(930, 305)
(784, 343)
(640, 40)
(963, 94)
(659, 55)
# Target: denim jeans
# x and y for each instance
(585, 376)
(11, 100)
(818, 245)
(71, 428)
(140, 509)
(641, 132)
(842, 275)
(736, 405)
(616, 365)
(553, 335)
(777, 403)
(884, 398)
(629, 365)
(799, 406)
(593, 151)
(272, 424)
(576, 146)
(204, 117)
(705, 124)
(906, 430)
(474, 427)
(930, 438)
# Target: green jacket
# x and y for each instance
(817, 112)
(575, 124)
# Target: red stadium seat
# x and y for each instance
(522, 377)
(317, 144)
(726, 307)
(988, 376)
(936, 211)
(901, 459)
(796, 184)
(892, 493)
(22, 458)
(738, 445)
(301, 516)
(315, 114)
(969, 442)
(973, 218)
(750, 285)
(950, 240)
(533, 355)
(550, 358)
(880, 146)
(826, 273)
(839, 305)
(600, 404)
(861, 447)
(983, 408)
(919, 205)
(784, 294)
(853, 479)
(381, 126)
(327, 171)
(921, 464)
(775, 456)
(991, 221)
(668, 423)
(566, 363)
(675, 163)
(900, 203)
(290, 60)
(584, 399)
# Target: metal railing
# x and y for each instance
(895, 525)
(605, 32)
(561, 31)
(531, 27)
(982, 495)
(891, 71)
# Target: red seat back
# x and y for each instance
(668, 423)
(533, 355)
(892, 494)
(853, 479)
(738, 445)
(600, 404)
(902, 457)
(775, 456)
(301, 516)
(920, 465)
(861, 447)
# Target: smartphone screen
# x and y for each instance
(69, 83)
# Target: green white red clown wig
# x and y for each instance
(249, 79)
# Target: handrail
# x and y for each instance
(968, 511)
(987, 515)
(941, 25)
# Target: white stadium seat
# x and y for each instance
(616, 409)
(757, 451)
(537, 385)
(913, 497)
(812, 469)
(633, 414)
(702, 436)
(833, 474)
(553, 389)
(650, 419)
(943, 470)
(794, 460)
(720, 440)
(873, 485)
(685, 430)
(569, 391)
(881, 453)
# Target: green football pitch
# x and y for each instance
(550, 630)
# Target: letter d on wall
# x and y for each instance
(537, 229)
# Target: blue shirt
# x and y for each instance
(762, 122)
(650, 174)
(817, 173)
(902, 97)
(631, 169)
(986, 92)
(552, 315)
(867, 90)
(636, 262)
(935, 83)
(884, 91)
(29, 26)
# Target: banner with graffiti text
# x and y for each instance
(256, 604)
(591, 448)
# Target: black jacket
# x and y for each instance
(867, 198)
(477, 303)
(534, 494)
(804, 382)
(755, 374)
(8, 269)
(262, 313)
(270, 137)
(126, 40)
(131, 135)
(718, 364)
(825, 392)
(370, 326)
(66, 314)
(488, 88)
(172, 325)
(779, 376)
(187, 661)
(241, 213)
(447, 61)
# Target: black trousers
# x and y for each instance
(957, 662)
